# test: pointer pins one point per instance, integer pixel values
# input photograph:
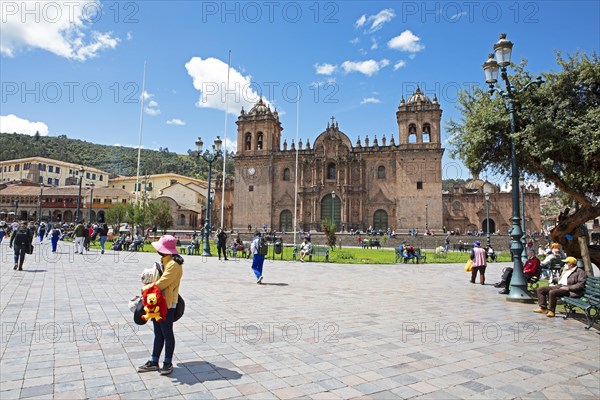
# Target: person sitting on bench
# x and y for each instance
(530, 269)
(571, 283)
(305, 248)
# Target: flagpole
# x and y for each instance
(225, 147)
(137, 179)
(296, 177)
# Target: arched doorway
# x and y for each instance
(331, 204)
(285, 221)
(380, 220)
(101, 217)
(492, 226)
(68, 216)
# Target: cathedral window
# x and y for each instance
(286, 174)
(426, 133)
(381, 172)
(248, 141)
(259, 141)
(331, 171)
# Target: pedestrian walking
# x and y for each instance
(42, 231)
(103, 233)
(79, 237)
(221, 243)
(55, 236)
(479, 257)
(168, 284)
(21, 242)
(259, 249)
(2, 230)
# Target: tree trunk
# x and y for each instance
(585, 255)
(570, 225)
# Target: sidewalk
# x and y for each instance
(323, 331)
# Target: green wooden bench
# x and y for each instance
(418, 257)
(553, 270)
(590, 301)
(317, 251)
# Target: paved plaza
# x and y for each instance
(314, 330)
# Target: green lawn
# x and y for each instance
(353, 255)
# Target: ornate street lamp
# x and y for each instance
(210, 158)
(523, 186)
(503, 51)
(16, 204)
(40, 206)
(487, 219)
(332, 208)
(77, 216)
(91, 185)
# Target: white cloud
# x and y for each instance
(152, 107)
(62, 28)
(367, 67)
(399, 65)
(176, 121)
(355, 41)
(361, 21)
(370, 100)
(325, 69)
(457, 16)
(406, 41)
(377, 21)
(374, 44)
(11, 123)
(129, 36)
(210, 79)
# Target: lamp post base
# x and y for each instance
(519, 295)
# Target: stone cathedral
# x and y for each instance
(391, 182)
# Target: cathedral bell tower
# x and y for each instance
(419, 120)
(259, 130)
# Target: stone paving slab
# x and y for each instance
(313, 330)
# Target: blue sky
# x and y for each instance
(75, 67)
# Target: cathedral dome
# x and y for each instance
(418, 97)
(260, 108)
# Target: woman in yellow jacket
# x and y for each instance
(168, 284)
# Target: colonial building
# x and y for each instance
(186, 196)
(27, 200)
(466, 208)
(395, 182)
(50, 172)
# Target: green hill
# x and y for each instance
(113, 159)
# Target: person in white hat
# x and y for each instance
(168, 284)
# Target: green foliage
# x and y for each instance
(115, 160)
(558, 128)
(115, 216)
(160, 215)
(329, 230)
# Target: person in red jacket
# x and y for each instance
(531, 268)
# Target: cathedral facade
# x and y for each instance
(387, 183)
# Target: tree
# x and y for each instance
(160, 215)
(329, 230)
(115, 216)
(557, 138)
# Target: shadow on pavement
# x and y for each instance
(274, 284)
(201, 371)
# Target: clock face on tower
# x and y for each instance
(251, 171)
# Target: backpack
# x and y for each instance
(55, 233)
(263, 248)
